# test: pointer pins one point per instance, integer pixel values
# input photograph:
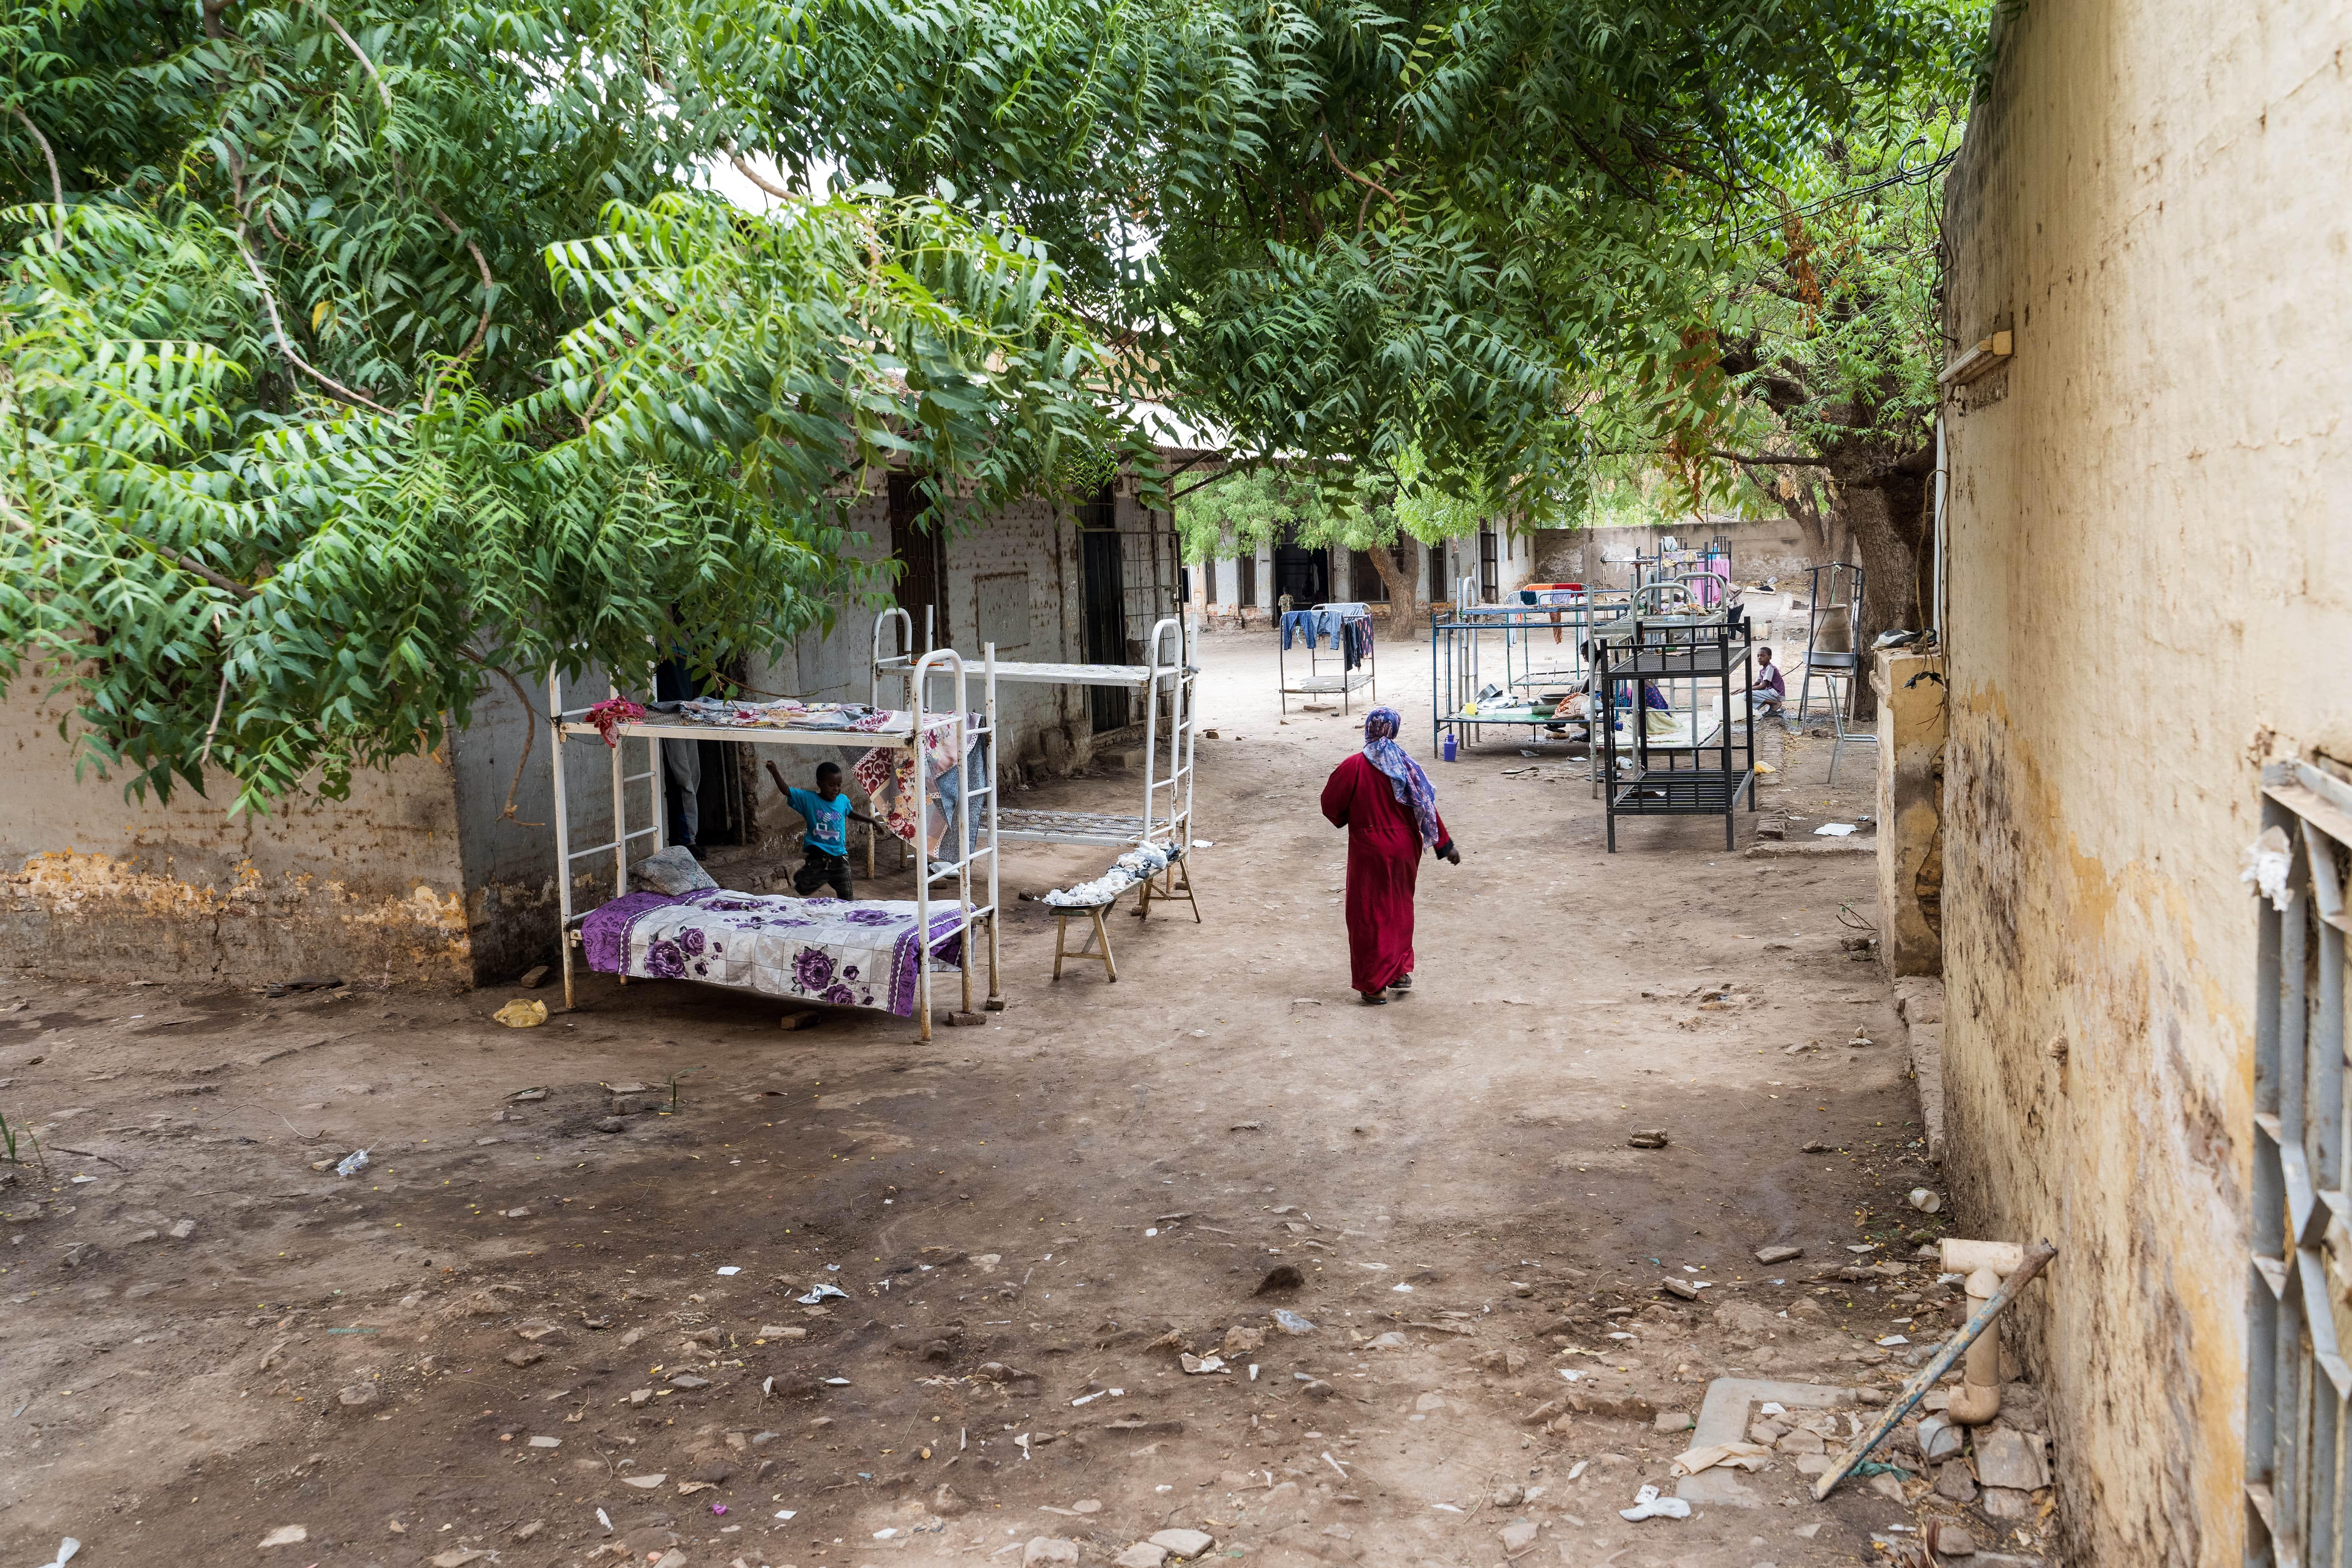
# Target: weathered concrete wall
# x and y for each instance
(1772, 548)
(1912, 729)
(2150, 593)
(97, 887)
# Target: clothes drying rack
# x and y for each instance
(905, 729)
(1320, 682)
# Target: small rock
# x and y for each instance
(358, 1396)
(1770, 1255)
(680, 1380)
(182, 1229)
(1429, 1403)
(1506, 1361)
(1239, 1341)
(611, 1124)
(1939, 1439)
(2007, 1503)
(1648, 1138)
(526, 1531)
(1671, 1421)
(80, 1253)
(1953, 1481)
(1290, 1322)
(1048, 1548)
(1142, 1554)
(1886, 1485)
(1316, 1388)
(2008, 1458)
(1391, 1341)
(1815, 1147)
(1509, 1496)
(1184, 1543)
(1281, 1277)
(286, 1535)
(1518, 1535)
(525, 1356)
(937, 1350)
(458, 1556)
(532, 976)
(1802, 1442)
(1949, 1538)
(948, 1503)
(1682, 1287)
(1086, 1505)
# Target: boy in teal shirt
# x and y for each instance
(826, 845)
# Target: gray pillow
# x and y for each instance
(671, 871)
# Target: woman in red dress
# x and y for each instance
(1384, 801)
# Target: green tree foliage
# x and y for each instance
(352, 358)
(1348, 232)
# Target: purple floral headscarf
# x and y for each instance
(1411, 785)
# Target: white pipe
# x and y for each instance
(1986, 1264)
(1943, 488)
(562, 828)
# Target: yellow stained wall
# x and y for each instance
(2149, 595)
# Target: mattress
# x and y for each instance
(846, 952)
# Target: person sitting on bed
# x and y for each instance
(826, 845)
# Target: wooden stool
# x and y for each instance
(1171, 892)
(1087, 949)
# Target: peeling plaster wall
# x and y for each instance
(97, 887)
(2150, 593)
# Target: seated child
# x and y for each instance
(826, 845)
(1771, 691)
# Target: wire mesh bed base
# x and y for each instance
(1309, 685)
(1033, 826)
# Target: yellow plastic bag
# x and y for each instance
(520, 1014)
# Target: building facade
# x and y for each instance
(2148, 589)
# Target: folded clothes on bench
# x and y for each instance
(1140, 864)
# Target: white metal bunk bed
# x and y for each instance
(1167, 751)
(907, 729)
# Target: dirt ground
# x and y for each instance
(514, 1328)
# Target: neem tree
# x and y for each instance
(355, 354)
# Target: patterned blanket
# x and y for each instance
(852, 953)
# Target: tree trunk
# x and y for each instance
(1884, 509)
(1405, 605)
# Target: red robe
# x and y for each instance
(1383, 863)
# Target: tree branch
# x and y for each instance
(1767, 458)
(759, 179)
(286, 344)
(57, 185)
(1371, 184)
(358, 54)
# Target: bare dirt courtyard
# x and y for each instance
(516, 1338)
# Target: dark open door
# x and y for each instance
(922, 555)
(1490, 579)
(1305, 574)
(1102, 570)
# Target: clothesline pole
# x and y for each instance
(562, 829)
(995, 885)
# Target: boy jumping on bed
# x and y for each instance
(828, 812)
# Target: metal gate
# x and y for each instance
(2298, 1383)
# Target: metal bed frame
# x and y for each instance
(1683, 652)
(943, 663)
(1314, 683)
(1167, 768)
(1457, 653)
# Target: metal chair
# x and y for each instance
(1835, 598)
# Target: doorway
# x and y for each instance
(1490, 579)
(1304, 574)
(1102, 571)
(922, 556)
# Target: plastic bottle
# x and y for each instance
(1448, 750)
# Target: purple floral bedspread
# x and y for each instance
(853, 954)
